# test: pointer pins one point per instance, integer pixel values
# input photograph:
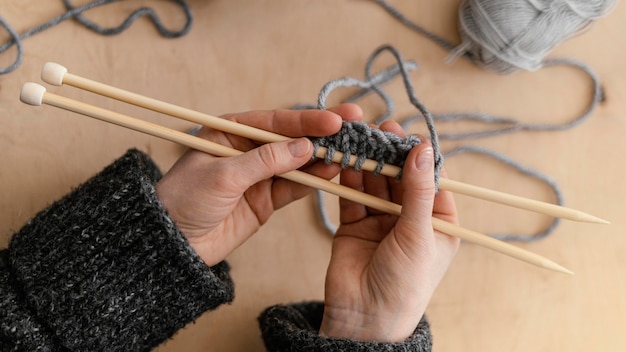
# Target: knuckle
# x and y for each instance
(425, 189)
(268, 156)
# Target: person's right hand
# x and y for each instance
(384, 269)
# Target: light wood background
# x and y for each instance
(243, 55)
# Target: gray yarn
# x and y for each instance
(357, 138)
(384, 147)
(552, 18)
(376, 80)
(389, 153)
(319, 195)
(511, 125)
(526, 171)
(337, 141)
(583, 12)
(77, 14)
(507, 35)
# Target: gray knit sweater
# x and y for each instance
(105, 269)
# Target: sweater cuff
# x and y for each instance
(106, 268)
(295, 327)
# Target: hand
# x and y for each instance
(384, 269)
(218, 203)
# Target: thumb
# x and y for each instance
(418, 184)
(272, 159)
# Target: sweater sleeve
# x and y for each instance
(104, 268)
(295, 327)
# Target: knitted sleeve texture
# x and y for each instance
(104, 269)
(295, 327)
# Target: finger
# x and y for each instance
(269, 160)
(444, 207)
(348, 112)
(395, 187)
(414, 228)
(285, 191)
(349, 211)
(291, 123)
(393, 127)
(377, 186)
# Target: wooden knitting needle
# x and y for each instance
(35, 94)
(58, 75)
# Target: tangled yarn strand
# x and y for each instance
(430, 124)
(20, 51)
(144, 11)
(582, 11)
(510, 125)
(371, 85)
(392, 144)
(331, 228)
(414, 26)
(76, 12)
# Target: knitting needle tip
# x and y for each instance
(548, 264)
(584, 217)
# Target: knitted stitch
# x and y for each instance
(357, 138)
(20, 330)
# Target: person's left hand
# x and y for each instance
(218, 203)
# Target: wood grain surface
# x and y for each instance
(247, 55)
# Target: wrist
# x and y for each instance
(380, 327)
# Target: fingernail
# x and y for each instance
(298, 147)
(425, 159)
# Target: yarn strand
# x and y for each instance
(556, 190)
(385, 76)
(76, 12)
(370, 84)
(504, 50)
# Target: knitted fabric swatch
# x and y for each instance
(357, 138)
(380, 146)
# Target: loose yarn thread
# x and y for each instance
(481, 47)
(505, 36)
(76, 12)
(373, 84)
(385, 147)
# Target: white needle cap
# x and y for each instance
(32, 94)
(53, 73)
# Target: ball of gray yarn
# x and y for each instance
(507, 35)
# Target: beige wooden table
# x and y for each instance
(243, 55)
